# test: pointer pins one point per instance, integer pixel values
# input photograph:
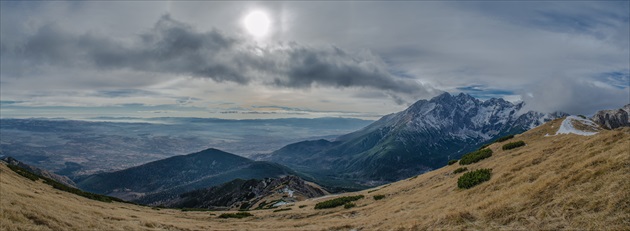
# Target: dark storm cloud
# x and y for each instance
(177, 48)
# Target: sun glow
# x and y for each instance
(257, 23)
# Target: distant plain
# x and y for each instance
(77, 147)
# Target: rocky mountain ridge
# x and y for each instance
(611, 119)
(421, 138)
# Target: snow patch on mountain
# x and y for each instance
(567, 126)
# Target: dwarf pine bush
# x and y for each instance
(238, 215)
(475, 156)
(470, 179)
(460, 170)
(513, 145)
(378, 197)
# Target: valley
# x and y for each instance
(73, 148)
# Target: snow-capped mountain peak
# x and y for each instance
(424, 136)
(466, 116)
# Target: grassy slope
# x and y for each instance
(556, 182)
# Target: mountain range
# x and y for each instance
(421, 138)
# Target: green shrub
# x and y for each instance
(378, 197)
(470, 179)
(475, 156)
(501, 139)
(460, 170)
(238, 215)
(280, 210)
(301, 206)
(349, 205)
(513, 145)
(451, 162)
(337, 202)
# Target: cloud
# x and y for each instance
(177, 48)
(574, 96)
(359, 56)
(125, 93)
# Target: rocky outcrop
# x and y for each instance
(244, 194)
(611, 119)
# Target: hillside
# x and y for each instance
(564, 181)
(61, 179)
(159, 180)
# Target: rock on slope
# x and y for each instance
(564, 181)
(611, 119)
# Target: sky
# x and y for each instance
(310, 59)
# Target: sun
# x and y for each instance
(257, 23)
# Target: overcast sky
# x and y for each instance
(352, 59)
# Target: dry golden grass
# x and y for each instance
(555, 182)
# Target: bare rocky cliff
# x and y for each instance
(611, 119)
